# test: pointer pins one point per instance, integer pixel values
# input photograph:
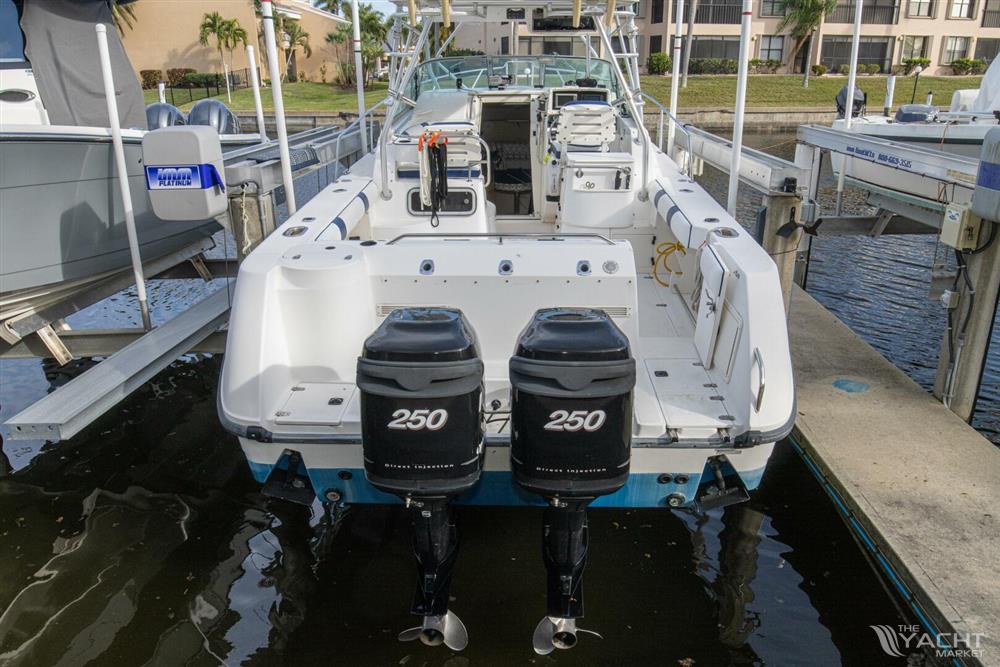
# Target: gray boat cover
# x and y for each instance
(61, 46)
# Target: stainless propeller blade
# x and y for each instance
(436, 630)
(553, 632)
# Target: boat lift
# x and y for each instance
(134, 356)
(972, 302)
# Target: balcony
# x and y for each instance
(870, 13)
(991, 18)
(717, 13)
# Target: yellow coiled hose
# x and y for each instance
(663, 252)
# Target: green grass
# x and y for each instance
(303, 96)
(787, 91)
(702, 92)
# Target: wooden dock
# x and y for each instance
(918, 486)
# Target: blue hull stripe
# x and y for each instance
(497, 488)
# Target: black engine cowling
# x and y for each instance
(421, 381)
(571, 380)
(571, 377)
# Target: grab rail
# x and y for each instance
(487, 164)
(501, 236)
(759, 360)
(369, 113)
(664, 113)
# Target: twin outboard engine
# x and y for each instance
(571, 378)
(161, 114)
(858, 105)
(421, 382)
(216, 114)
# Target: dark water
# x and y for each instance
(145, 541)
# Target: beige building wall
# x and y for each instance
(165, 35)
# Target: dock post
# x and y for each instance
(957, 385)
(781, 237)
(252, 217)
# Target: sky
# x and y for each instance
(383, 6)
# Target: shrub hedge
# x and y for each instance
(659, 63)
(175, 75)
(150, 77)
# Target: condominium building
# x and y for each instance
(891, 32)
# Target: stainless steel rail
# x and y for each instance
(501, 236)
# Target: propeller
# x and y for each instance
(553, 632)
(436, 630)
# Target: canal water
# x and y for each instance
(144, 540)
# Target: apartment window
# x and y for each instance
(836, 51)
(772, 47)
(703, 46)
(551, 46)
(772, 7)
(987, 48)
(656, 14)
(505, 46)
(954, 48)
(883, 12)
(718, 11)
(915, 46)
(961, 9)
(655, 44)
(991, 14)
(673, 11)
(920, 8)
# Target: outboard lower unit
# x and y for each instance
(421, 382)
(572, 377)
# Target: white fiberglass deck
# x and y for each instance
(669, 367)
(672, 383)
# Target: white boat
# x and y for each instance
(548, 312)
(61, 220)
(958, 130)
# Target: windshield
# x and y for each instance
(475, 73)
(11, 39)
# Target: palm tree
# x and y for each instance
(374, 30)
(334, 6)
(213, 25)
(293, 34)
(686, 56)
(234, 34)
(803, 18)
(123, 14)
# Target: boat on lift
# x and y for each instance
(61, 228)
(420, 332)
(960, 129)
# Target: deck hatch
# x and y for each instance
(315, 403)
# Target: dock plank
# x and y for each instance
(923, 483)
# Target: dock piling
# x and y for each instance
(782, 234)
(965, 344)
